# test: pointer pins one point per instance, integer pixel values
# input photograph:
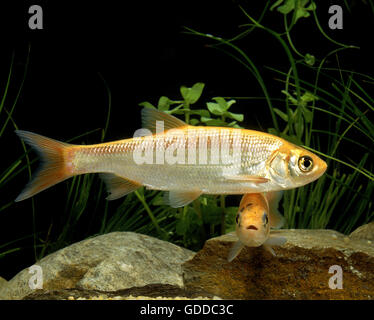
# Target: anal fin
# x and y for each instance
(118, 186)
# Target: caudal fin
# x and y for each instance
(53, 168)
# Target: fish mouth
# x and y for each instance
(252, 227)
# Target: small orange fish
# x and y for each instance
(257, 214)
(185, 160)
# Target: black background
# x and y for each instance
(139, 48)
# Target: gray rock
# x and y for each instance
(365, 232)
(299, 271)
(3, 282)
(109, 262)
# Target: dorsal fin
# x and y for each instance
(150, 116)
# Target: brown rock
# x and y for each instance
(299, 271)
(365, 232)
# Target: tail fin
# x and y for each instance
(52, 170)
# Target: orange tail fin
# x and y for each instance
(53, 168)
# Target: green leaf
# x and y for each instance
(215, 108)
(191, 95)
(299, 6)
(281, 114)
(221, 102)
(276, 4)
(308, 115)
(201, 112)
(146, 104)
(235, 116)
(230, 103)
(308, 97)
(236, 126)
(290, 97)
(177, 110)
(309, 59)
(232, 124)
(224, 105)
(194, 122)
(216, 122)
(164, 103)
(287, 7)
(205, 119)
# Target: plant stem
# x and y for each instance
(223, 214)
(146, 207)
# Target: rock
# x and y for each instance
(151, 291)
(110, 262)
(365, 232)
(3, 282)
(299, 271)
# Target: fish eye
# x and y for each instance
(305, 163)
(265, 218)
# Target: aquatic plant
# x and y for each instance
(6, 121)
(342, 198)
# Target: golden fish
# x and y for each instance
(257, 214)
(185, 160)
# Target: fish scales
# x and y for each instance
(118, 158)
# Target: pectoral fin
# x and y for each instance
(235, 250)
(178, 198)
(275, 241)
(276, 219)
(118, 186)
(247, 178)
(269, 249)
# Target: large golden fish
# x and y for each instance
(185, 160)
